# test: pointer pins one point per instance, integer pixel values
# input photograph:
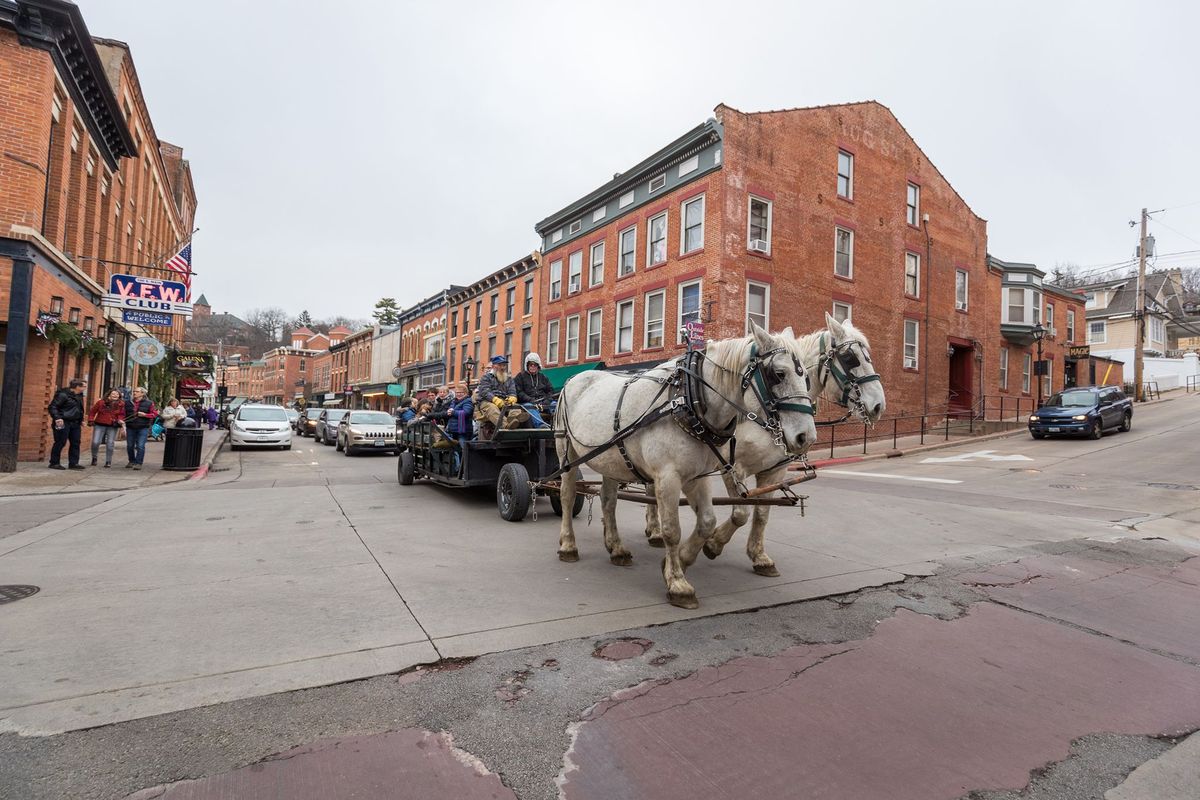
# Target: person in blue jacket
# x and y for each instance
(457, 420)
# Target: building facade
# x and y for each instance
(499, 314)
(423, 343)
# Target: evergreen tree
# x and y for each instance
(386, 311)
(305, 320)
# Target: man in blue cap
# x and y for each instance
(496, 399)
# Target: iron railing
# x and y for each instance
(1191, 383)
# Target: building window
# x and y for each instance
(1070, 326)
(626, 199)
(1158, 330)
(624, 342)
(555, 279)
(655, 310)
(478, 314)
(692, 238)
(845, 175)
(1004, 368)
(912, 333)
(1016, 305)
(1048, 379)
(843, 258)
(73, 316)
(961, 289)
(475, 351)
(595, 324)
(596, 272)
(575, 272)
(1050, 318)
(526, 341)
(758, 305)
(1026, 369)
(575, 226)
(528, 297)
(656, 244)
(572, 338)
(1037, 307)
(449, 364)
(491, 346)
(691, 165)
(552, 341)
(912, 274)
(494, 309)
(842, 312)
(689, 305)
(913, 209)
(758, 234)
(508, 345)
(556, 236)
(658, 182)
(628, 250)
(510, 303)
(599, 213)
(454, 323)
(56, 305)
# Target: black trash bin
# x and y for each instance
(184, 446)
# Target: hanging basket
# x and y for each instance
(65, 334)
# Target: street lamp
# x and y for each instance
(468, 366)
(1039, 333)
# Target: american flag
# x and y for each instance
(181, 262)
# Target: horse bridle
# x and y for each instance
(763, 382)
(839, 361)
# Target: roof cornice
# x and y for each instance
(521, 266)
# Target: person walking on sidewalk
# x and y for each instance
(211, 415)
(66, 414)
(139, 415)
(172, 413)
(107, 416)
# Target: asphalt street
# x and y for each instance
(305, 600)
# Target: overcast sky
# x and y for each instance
(347, 151)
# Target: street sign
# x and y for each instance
(147, 351)
(1040, 367)
(146, 318)
(134, 293)
(983, 455)
(395, 390)
(197, 362)
(348, 389)
(1079, 351)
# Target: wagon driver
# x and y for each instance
(496, 398)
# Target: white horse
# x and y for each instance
(846, 377)
(728, 383)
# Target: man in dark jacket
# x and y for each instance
(139, 416)
(66, 413)
(496, 398)
(534, 391)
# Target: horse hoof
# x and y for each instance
(570, 556)
(711, 552)
(766, 570)
(656, 541)
(622, 559)
(687, 601)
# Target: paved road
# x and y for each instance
(302, 569)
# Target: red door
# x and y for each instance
(962, 367)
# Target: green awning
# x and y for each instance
(560, 375)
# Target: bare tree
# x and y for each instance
(1066, 275)
(1191, 280)
(268, 321)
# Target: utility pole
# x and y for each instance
(1141, 313)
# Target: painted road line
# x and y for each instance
(985, 455)
(885, 475)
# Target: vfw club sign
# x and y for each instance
(140, 298)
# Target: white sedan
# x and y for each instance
(260, 426)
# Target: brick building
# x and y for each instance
(352, 365)
(84, 183)
(423, 343)
(499, 314)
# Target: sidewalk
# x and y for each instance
(36, 478)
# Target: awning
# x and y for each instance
(560, 375)
(328, 403)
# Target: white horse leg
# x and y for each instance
(737, 518)
(567, 551)
(679, 591)
(700, 499)
(763, 564)
(653, 534)
(617, 553)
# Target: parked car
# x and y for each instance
(367, 430)
(292, 415)
(256, 425)
(307, 424)
(1082, 411)
(327, 423)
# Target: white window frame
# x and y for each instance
(571, 342)
(593, 264)
(1026, 372)
(1156, 330)
(750, 237)
(552, 332)
(575, 272)
(650, 240)
(626, 199)
(1048, 378)
(962, 303)
(1009, 305)
(679, 313)
(1070, 325)
(849, 311)
(661, 319)
(556, 236)
(632, 230)
(766, 315)
(1050, 318)
(850, 256)
(599, 213)
(576, 226)
(691, 165)
(657, 182)
(624, 304)
(1103, 323)
(683, 226)
(912, 204)
(594, 316)
(849, 195)
(1004, 368)
(913, 361)
(555, 279)
(1037, 307)
(913, 260)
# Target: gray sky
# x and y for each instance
(389, 148)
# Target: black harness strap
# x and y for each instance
(621, 441)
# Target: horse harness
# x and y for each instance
(839, 362)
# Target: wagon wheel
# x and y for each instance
(406, 468)
(556, 499)
(513, 495)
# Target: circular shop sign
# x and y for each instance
(147, 351)
(397, 372)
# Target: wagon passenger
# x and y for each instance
(496, 398)
(534, 391)
(456, 421)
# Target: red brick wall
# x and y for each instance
(464, 343)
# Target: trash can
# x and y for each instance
(184, 446)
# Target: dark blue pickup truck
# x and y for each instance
(1083, 411)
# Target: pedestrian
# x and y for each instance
(211, 415)
(66, 414)
(496, 400)
(191, 413)
(458, 425)
(139, 416)
(535, 393)
(173, 413)
(107, 416)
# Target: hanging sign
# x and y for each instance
(134, 293)
(182, 361)
(694, 329)
(147, 351)
(146, 318)
(1079, 351)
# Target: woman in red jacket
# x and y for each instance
(108, 417)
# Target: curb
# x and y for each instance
(202, 471)
(921, 448)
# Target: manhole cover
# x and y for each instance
(1178, 487)
(11, 594)
(1069, 487)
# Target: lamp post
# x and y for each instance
(468, 365)
(1039, 333)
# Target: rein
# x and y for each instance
(839, 363)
